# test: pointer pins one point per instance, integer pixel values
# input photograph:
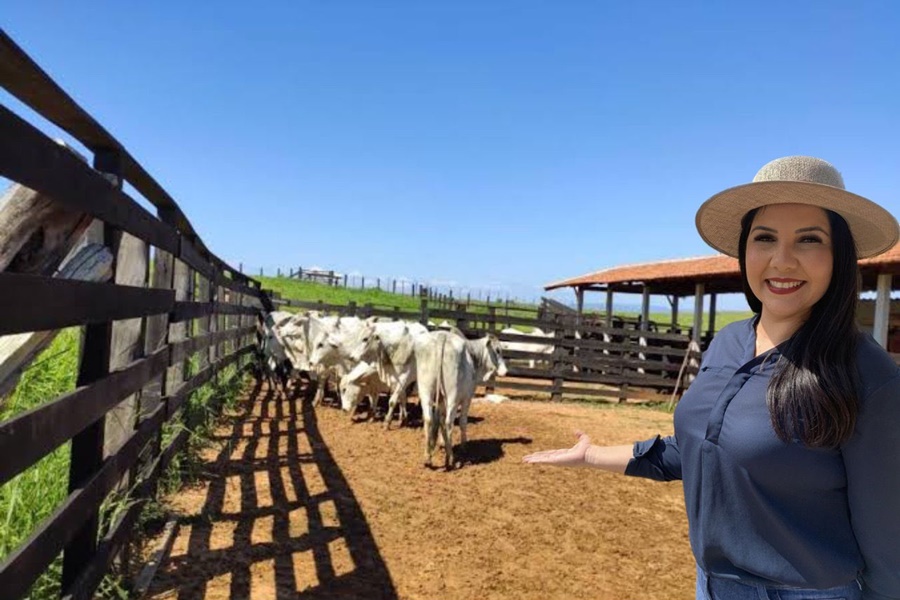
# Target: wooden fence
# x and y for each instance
(151, 337)
(615, 363)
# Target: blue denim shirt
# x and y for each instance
(764, 511)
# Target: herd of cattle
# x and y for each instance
(368, 357)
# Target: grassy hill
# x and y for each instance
(309, 291)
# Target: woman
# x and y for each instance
(788, 440)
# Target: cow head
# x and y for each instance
(491, 359)
(325, 350)
(364, 345)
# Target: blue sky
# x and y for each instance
(495, 145)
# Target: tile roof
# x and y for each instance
(682, 272)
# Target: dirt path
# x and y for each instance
(302, 503)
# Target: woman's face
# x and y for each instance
(789, 259)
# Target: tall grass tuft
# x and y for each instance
(35, 493)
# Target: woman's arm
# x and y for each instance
(585, 454)
(872, 462)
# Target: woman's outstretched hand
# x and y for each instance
(564, 457)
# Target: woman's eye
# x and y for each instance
(764, 237)
(810, 239)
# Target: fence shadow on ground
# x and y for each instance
(279, 519)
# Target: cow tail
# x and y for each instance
(441, 388)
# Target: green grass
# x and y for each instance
(33, 495)
(308, 291)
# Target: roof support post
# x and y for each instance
(609, 306)
(712, 314)
(645, 308)
(882, 309)
(698, 312)
(579, 299)
(674, 312)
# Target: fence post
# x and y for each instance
(558, 332)
(394, 287)
(462, 322)
(423, 307)
(351, 308)
(96, 354)
(345, 280)
(492, 324)
(367, 310)
(363, 282)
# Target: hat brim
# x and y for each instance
(718, 220)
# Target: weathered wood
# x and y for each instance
(35, 161)
(132, 266)
(32, 303)
(205, 293)
(184, 349)
(189, 253)
(36, 233)
(17, 351)
(181, 285)
(185, 311)
(117, 536)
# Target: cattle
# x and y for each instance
(276, 363)
(304, 333)
(361, 382)
(389, 346)
(541, 347)
(449, 368)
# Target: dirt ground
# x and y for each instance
(303, 503)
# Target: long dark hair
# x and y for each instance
(812, 395)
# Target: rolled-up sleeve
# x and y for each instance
(657, 458)
(872, 462)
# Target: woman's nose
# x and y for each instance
(783, 257)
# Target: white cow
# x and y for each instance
(276, 363)
(362, 381)
(542, 347)
(305, 334)
(389, 346)
(449, 368)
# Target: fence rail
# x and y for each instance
(585, 359)
(151, 337)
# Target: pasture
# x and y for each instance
(301, 501)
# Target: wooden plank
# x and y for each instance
(114, 540)
(36, 232)
(29, 157)
(32, 303)
(185, 311)
(30, 436)
(22, 567)
(189, 253)
(185, 348)
(92, 262)
(181, 285)
(205, 293)
(132, 269)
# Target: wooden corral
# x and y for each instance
(151, 336)
(589, 360)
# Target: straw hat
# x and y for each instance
(796, 180)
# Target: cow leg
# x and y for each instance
(428, 426)
(447, 435)
(463, 421)
(392, 404)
